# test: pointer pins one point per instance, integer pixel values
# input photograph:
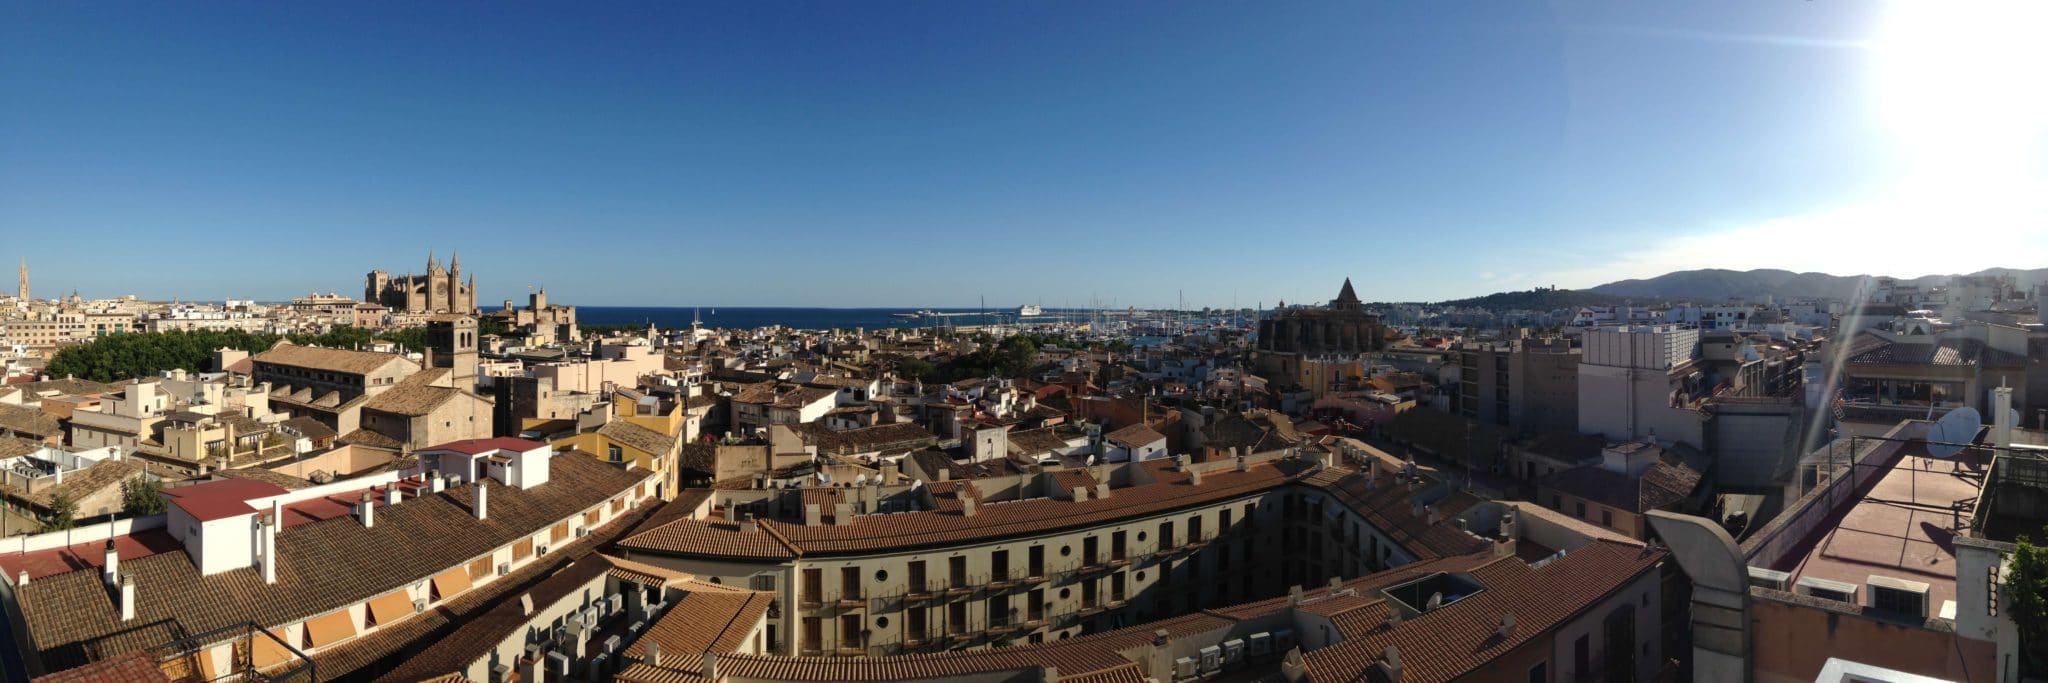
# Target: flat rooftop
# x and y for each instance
(1903, 526)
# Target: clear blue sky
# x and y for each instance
(922, 154)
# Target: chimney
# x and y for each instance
(22, 579)
(651, 655)
(1194, 476)
(749, 524)
(1242, 465)
(1080, 493)
(1102, 489)
(111, 571)
(710, 666)
(813, 516)
(393, 495)
(1430, 510)
(481, 511)
(127, 598)
(1507, 626)
(842, 514)
(367, 510)
(1050, 674)
(1294, 596)
(1390, 664)
(967, 507)
(270, 525)
(1336, 583)
(2001, 418)
(438, 482)
(525, 604)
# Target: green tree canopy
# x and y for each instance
(142, 496)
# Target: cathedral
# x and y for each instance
(1343, 329)
(440, 290)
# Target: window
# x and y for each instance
(1036, 557)
(917, 580)
(814, 584)
(1540, 673)
(1579, 508)
(849, 583)
(999, 565)
(956, 617)
(814, 634)
(617, 455)
(1607, 518)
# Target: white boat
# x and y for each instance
(1028, 310)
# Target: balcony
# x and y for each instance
(914, 644)
(850, 651)
(1119, 561)
(1001, 583)
(851, 602)
(1033, 579)
(1094, 565)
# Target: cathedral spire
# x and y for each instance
(455, 262)
(432, 265)
(23, 294)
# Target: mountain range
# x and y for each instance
(1713, 284)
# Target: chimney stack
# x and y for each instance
(438, 482)
(813, 515)
(22, 580)
(111, 570)
(652, 655)
(710, 666)
(367, 510)
(127, 598)
(1390, 664)
(392, 494)
(1194, 476)
(749, 524)
(967, 506)
(481, 511)
(270, 525)
(2001, 418)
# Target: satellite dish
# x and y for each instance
(1952, 431)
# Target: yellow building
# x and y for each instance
(627, 442)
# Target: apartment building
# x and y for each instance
(319, 581)
(1030, 558)
(1531, 385)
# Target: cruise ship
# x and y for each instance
(1028, 310)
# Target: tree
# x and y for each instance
(2026, 583)
(63, 513)
(142, 496)
(915, 368)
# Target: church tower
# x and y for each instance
(437, 283)
(452, 339)
(23, 293)
(454, 304)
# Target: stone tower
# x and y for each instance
(23, 293)
(453, 340)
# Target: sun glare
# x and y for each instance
(1961, 85)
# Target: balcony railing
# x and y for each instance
(179, 658)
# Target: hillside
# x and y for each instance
(1715, 284)
(1537, 300)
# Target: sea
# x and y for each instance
(749, 317)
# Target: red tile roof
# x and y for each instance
(220, 499)
(480, 446)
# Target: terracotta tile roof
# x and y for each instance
(133, 667)
(389, 647)
(877, 533)
(638, 437)
(652, 576)
(481, 634)
(1457, 639)
(10, 448)
(412, 397)
(26, 420)
(1389, 507)
(1036, 441)
(321, 565)
(79, 485)
(1660, 486)
(364, 437)
(279, 479)
(705, 619)
(865, 439)
(1134, 436)
(331, 360)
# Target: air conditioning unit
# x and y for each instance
(582, 531)
(1827, 590)
(1184, 667)
(1897, 596)
(616, 603)
(504, 568)
(611, 644)
(419, 605)
(543, 550)
(1212, 658)
(1233, 651)
(534, 650)
(1261, 644)
(558, 664)
(1769, 578)
(501, 673)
